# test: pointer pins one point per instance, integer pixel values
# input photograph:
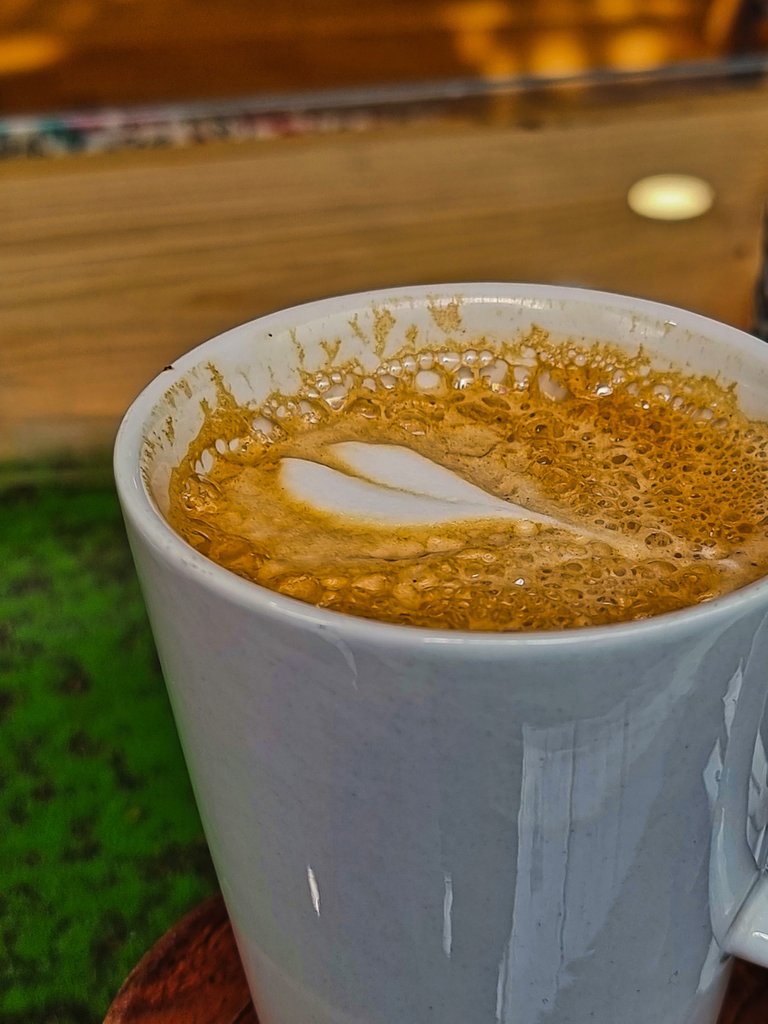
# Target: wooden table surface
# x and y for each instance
(111, 266)
(193, 976)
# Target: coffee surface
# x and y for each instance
(535, 487)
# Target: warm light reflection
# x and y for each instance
(637, 49)
(29, 51)
(671, 197)
(557, 53)
(476, 29)
(473, 16)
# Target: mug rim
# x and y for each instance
(143, 514)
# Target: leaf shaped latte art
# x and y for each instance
(392, 485)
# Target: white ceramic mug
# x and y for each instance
(414, 825)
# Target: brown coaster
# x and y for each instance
(193, 976)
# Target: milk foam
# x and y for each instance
(398, 487)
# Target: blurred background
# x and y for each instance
(60, 54)
(169, 168)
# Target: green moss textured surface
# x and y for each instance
(101, 849)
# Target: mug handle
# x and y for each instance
(738, 767)
(748, 935)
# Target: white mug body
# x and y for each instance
(412, 825)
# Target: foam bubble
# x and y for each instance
(522, 376)
(494, 372)
(262, 425)
(336, 396)
(463, 377)
(428, 380)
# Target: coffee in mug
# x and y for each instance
(527, 485)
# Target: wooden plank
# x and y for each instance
(111, 266)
